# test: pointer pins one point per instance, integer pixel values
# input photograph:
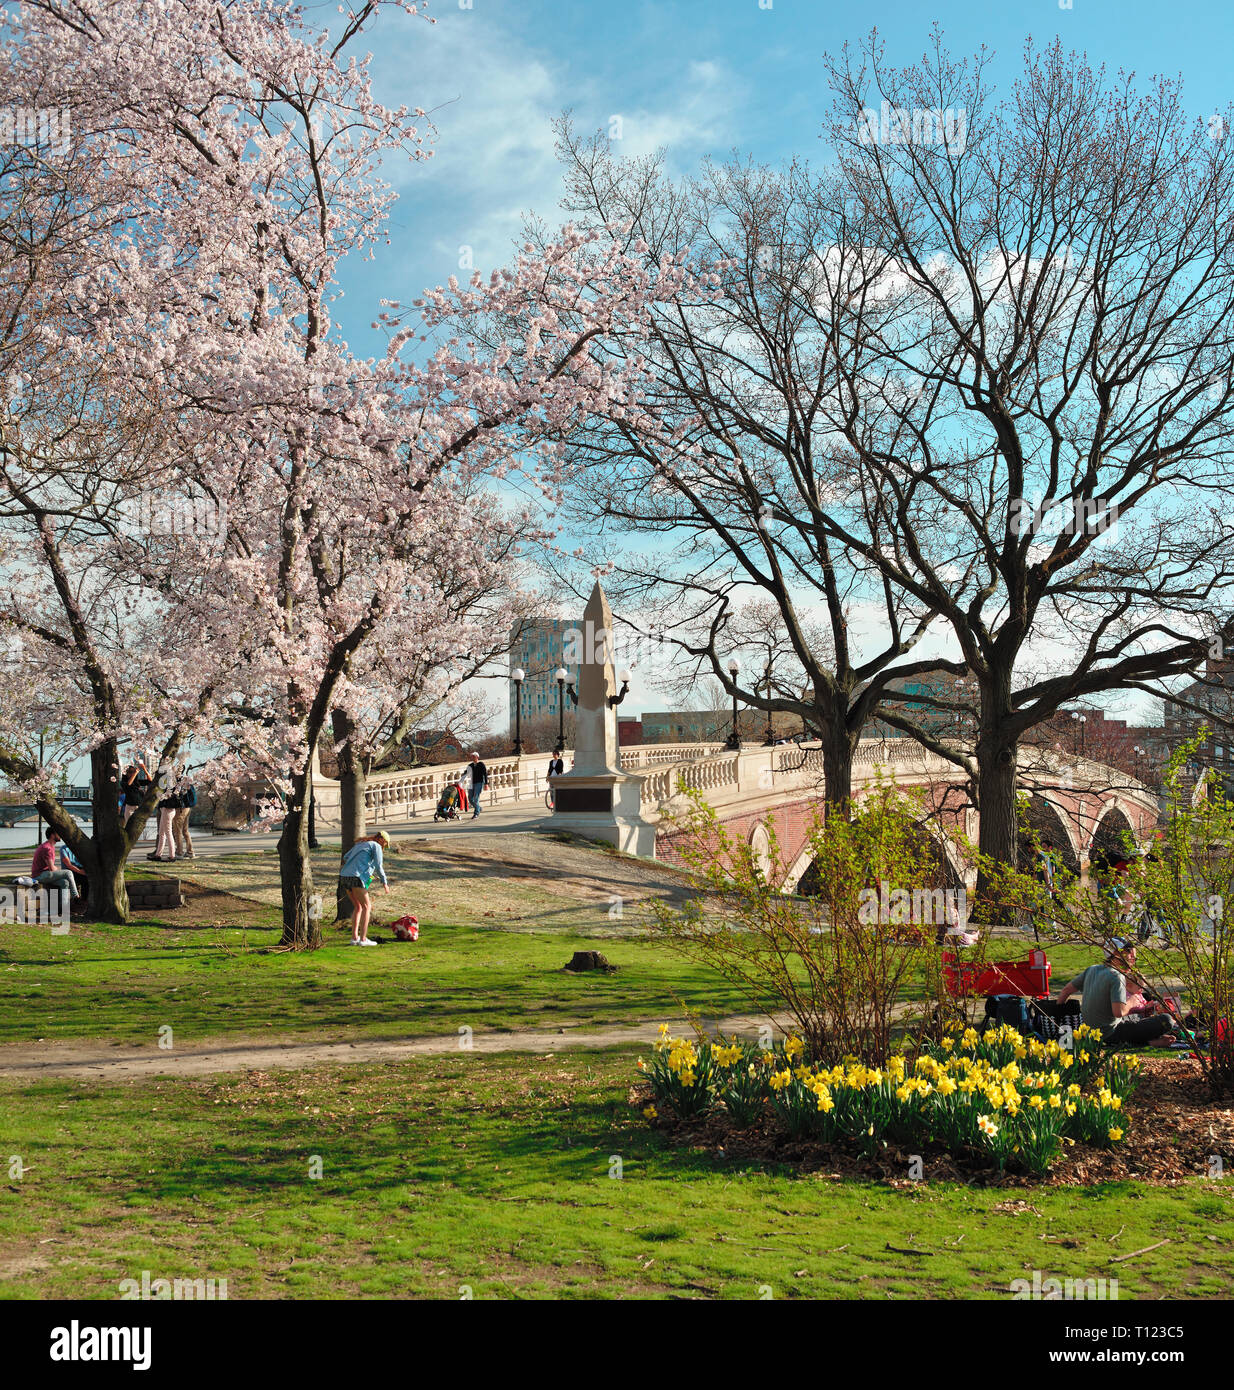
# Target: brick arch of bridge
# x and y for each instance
(945, 808)
(1092, 818)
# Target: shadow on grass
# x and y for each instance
(496, 1152)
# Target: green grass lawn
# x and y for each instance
(492, 1173)
(209, 979)
(121, 984)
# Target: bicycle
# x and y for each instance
(550, 800)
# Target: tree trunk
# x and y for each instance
(837, 767)
(109, 896)
(301, 908)
(106, 853)
(351, 778)
(996, 803)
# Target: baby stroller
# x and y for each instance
(448, 804)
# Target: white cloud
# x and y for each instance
(493, 99)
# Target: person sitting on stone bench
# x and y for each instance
(70, 862)
(44, 870)
(1105, 1006)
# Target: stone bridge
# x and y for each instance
(1079, 806)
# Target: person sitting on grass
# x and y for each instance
(361, 864)
(1104, 1004)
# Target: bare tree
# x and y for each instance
(980, 370)
(718, 494)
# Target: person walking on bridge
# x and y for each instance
(479, 780)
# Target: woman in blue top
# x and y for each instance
(361, 864)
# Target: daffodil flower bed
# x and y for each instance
(1008, 1098)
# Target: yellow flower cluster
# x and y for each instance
(682, 1056)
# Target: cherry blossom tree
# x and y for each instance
(251, 145)
(137, 277)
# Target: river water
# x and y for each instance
(24, 836)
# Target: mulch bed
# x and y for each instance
(1173, 1129)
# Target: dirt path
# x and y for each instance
(135, 1063)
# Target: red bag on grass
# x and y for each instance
(407, 928)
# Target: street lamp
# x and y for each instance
(518, 676)
(960, 685)
(1083, 718)
(734, 739)
(560, 675)
(624, 676)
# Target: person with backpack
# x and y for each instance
(186, 799)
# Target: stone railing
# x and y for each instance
(756, 776)
(406, 794)
(703, 776)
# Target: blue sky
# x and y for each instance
(698, 77)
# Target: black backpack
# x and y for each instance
(1042, 1018)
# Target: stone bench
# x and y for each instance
(150, 893)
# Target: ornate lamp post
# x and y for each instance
(734, 739)
(624, 676)
(518, 676)
(560, 675)
(1083, 718)
(771, 733)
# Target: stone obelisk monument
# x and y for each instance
(595, 798)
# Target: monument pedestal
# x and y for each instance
(595, 798)
(605, 806)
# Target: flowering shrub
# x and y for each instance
(841, 974)
(1009, 1098)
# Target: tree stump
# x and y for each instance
(588, 960)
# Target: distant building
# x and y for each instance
(539, 647)
(629, 731)
(426, 746)
(1214, 695)
(714, 726)
(910, 697)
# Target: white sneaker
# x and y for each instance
(353, 942)
(367, 942)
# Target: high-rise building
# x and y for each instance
(539, 647)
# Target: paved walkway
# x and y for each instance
(503, 817)
(129, 1064)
